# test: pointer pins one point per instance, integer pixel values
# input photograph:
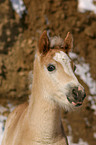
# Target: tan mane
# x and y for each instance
(56, 41)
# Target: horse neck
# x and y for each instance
(45, 115)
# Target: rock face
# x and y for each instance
(16, 54)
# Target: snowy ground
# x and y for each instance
(86, 5)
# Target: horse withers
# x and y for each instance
(54, 85)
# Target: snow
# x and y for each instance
(3, 109)
(83, 70)
(18, 6)
(83, 6)
(86, 5)
(2, 119)
(1, 132)
(92, 99)
(94, 135)
(81, 142)
(8, 108)
(70, 138)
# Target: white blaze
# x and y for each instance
(64, 60)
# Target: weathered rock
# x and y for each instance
(91, 30)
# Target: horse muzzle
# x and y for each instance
(76, 96)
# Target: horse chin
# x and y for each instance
(76, 104)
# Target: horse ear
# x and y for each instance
(44, 43)
(68, 42)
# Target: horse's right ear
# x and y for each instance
(68, 42)
(44, 43)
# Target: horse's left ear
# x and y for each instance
(44, 43)
(68, 42)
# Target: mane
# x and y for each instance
(56, 41)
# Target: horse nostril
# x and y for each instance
(78, 95)
(74, 92)
(84, 95)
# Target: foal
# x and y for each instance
(54, 86)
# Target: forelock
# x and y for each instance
(56, 41)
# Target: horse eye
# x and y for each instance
(74, 68)
(51, 67)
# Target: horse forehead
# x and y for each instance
(61, 57)
(64, 60)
